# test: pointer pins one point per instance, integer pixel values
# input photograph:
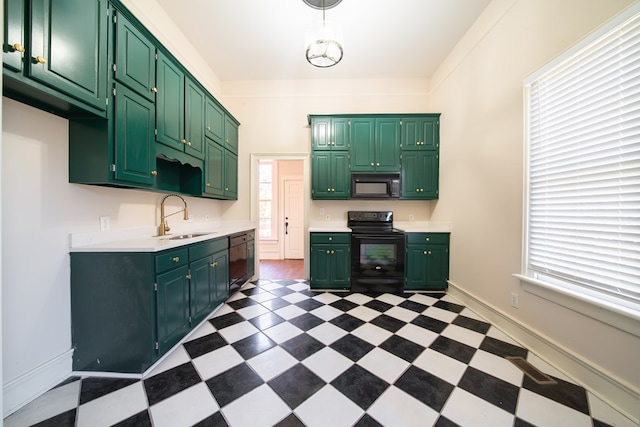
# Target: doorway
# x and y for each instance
(279, 206)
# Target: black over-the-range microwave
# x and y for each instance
(375, 185)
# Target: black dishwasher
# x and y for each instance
(237, 261)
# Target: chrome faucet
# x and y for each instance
(164, 227)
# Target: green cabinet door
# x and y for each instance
(438, 262)
(231, 134)
(214, 169)
(416, 268)
(421, 133)
(330, 175)
(230, 175)
(214, 121)
(362, 152)
(170, 103)
(201, 292)
(220, 278)
(420, 172)
(68, 48)
(13, 45)
(387, 145)
(134, 137)
(341, 266)
(320, 266)
(172, 307)
(330, 133)
(194, 120)
(135, 57)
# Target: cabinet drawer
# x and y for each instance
(171, 259)
(428, 238)
(201, 250)
(330, 238)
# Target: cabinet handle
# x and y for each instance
(189, 143)
(425, 252)
(226, 188)
(429, 252)
(184, 141)
(40, 60)
(154, 89)
(328, 251)
(18, 47)
(154, 173)
(226, 140)
(330, 238)
(377, 164)
(176, 259)
(371, 164)
(427, 239)
(208, 184)
(208, 127)
(188, 276)
(333, 252)
(214, 264)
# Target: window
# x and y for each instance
(583, 168)
(265, 172)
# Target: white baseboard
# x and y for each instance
(615, 391)
(30, 385)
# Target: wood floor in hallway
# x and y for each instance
(282, 269)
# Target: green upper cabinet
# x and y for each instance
(375, 144)
(194, 119)
(421, 133)
(329, 133)
(13, 45)
(68, 48)
(220, 172)
(170, 103)
(330, 175)
(420, 171)
(221, 127)
(179, 109)
(135, 57)
(134, 137)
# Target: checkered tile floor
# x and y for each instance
(279, 354)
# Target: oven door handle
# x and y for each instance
(378, 236)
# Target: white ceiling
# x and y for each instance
(264, 39)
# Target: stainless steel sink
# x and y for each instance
(186, 236)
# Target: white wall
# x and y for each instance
(39, 209)
(479, 91)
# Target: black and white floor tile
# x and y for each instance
(277, 354)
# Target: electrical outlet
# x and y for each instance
(105, 223)
(321, 211)
(411, 217)
(514, 299)
(328, 217)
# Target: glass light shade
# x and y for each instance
(323, 43)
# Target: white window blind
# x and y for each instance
(583, 166)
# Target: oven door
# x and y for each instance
(377, 262)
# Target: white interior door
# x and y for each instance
(293, 220)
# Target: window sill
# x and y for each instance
(618, 316)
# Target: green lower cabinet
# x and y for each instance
(172, 307)
(427, 262)
(128, 309)
(330, 261)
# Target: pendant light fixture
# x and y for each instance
(323, 40)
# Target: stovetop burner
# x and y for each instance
(372, 222)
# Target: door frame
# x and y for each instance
(306, 184)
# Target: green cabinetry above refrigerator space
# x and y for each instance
(375, 145)
(55, 55)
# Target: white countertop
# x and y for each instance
(142, 239)
(407, 226)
